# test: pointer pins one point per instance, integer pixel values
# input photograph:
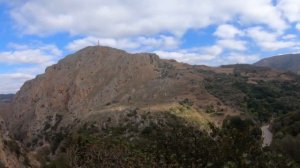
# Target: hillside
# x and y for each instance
(102, 80)
(289, 62)
(262, 92)
(287, 134)
(12, 154)
(104, 106)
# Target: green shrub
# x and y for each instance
(186, 102)
(172, 143)
(265, 99)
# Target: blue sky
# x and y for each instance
(37, 33)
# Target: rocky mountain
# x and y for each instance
(289, 62)
(101, 96)
(104, 81)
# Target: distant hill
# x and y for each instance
(6, 97)
(289, 62)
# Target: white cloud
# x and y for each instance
(23, 54)
(276, 45)
(213, 50)
(91, 41)
(123, 18)
(259, 34)
(290, 9)
(269, 40)
(31, 60)
(139, 43)
(298, 26)
(186, 56)
(193, 56)
(162, 42)
(232, 44)
(260, 11)
(227, 31)
(289, 37)
(241, 58)
(11, 82)
(209, 56)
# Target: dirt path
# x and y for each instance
(266, 135)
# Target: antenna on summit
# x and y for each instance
(98, 43)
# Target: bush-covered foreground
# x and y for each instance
(286, 131)
(169, 143)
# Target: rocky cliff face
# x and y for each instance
(101, 80)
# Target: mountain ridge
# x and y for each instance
(287, 62)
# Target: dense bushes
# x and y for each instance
(263, 98)
(248, 90)
(172, 143)
(286, 131)
(288, 145)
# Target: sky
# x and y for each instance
(37, 33)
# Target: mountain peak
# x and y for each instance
(99, 79)
(96, 54)
(99, 48)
